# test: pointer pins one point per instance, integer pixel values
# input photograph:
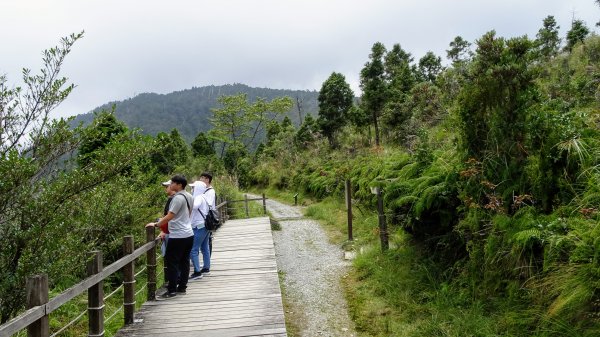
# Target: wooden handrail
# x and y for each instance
(23, 320)
(83, 286)
(243, 200)
(32, 315)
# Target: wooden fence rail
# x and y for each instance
(35, 319)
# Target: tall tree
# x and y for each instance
(103, 129)
(430, 67)
(399, 72)
(202, 146)
(178, 147)
(335, 99)
(400, 75)
(373, 85)
(459, 50)
(578, 32)
(273, 129)
(238, 121)
(548, 41)
(48, 208)
(494, 107)
(170, 150)
(307, 132)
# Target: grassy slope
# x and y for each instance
(404, 293)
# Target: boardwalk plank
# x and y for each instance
(242, 293)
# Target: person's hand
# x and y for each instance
(151, 224)
(161, 235)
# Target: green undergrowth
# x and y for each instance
(331, 213)
(406, 292)
(400, 292)
(493, 208)
(454, 269)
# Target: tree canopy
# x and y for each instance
(335, 100)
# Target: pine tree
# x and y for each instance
(374, 86)
(547, 40)
(335, 99)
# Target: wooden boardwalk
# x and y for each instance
(241, 297)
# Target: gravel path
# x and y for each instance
(312, 270)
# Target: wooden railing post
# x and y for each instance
(383, 234)
(296, 199)
(246, 203)
(95, 297)
(128, 282)
(264, 204)
(226, 210)
(151, 265)
(37, 294)
(349, 208)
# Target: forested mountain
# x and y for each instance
(189, 110)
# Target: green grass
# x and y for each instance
(291, 317)
(237, 208)
(405, 292)
(402, 292)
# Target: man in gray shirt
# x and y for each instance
(181, 238)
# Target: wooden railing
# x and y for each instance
(229, 205)
(35, 319)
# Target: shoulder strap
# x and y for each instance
(214, 201)
(186, 202)
(199, 211)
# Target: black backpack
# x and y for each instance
(212, 220)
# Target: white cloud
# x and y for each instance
(133, 47)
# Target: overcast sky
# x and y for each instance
(131, 47)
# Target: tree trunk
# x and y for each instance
(376, 128)
(299, 106)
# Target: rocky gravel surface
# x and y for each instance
(312, 269)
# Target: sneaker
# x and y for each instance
(162, 288)
(165, 296)
(205, 272)
(196, 275)
(181, 292)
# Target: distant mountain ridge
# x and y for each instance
(188, 110)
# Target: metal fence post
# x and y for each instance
(95, 297)
(128, 282)
(37, 294)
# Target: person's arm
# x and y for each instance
(162, 220)
(198, 201)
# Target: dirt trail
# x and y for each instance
(312, 270)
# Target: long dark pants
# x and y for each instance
(177, 260)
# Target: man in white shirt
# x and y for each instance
(211, 198)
